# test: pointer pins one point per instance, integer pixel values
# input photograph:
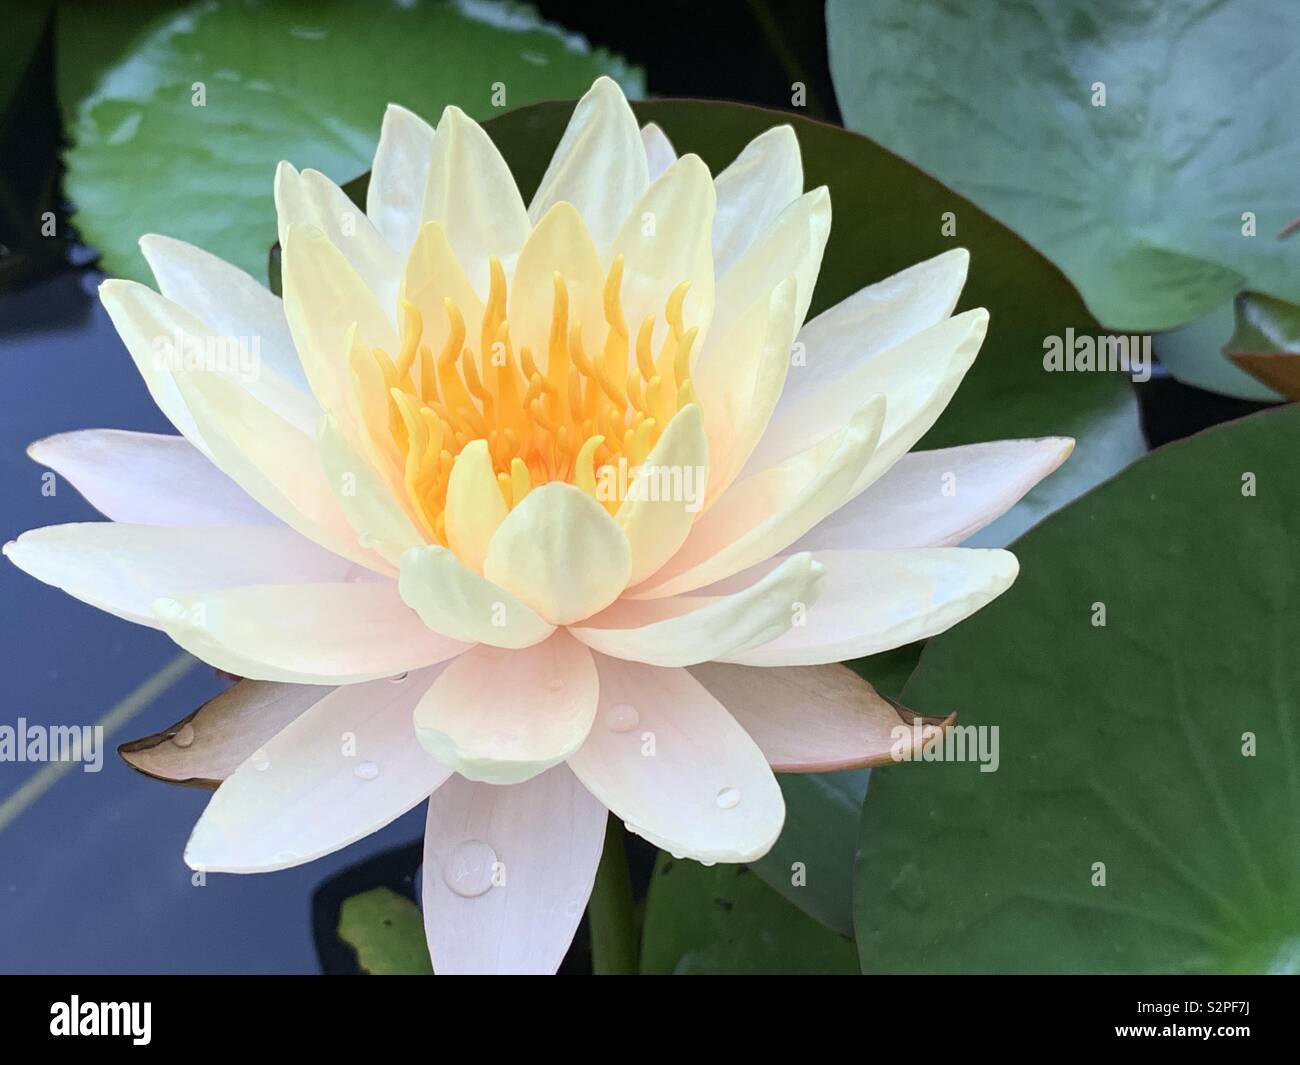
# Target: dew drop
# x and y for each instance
(468, 869)
(366, 771)
(728, 798)
(261, 760)
(184, 735)
(622, 717)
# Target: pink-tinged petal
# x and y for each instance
(344, 769)
(508, 871)
(874, 601)
(667, 758)
(342, 633)
(148, 479)
(810, 719)
(505, 716)
(208, 745)
(125, 569)
(939, 498)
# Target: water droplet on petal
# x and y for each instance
(622, 717)
(184, 735)
(366, 771)
(728, 798)
(468, 869)
(261, 760)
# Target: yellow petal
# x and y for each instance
(475, 506)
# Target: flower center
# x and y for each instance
(585, 411)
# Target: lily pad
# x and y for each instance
(387, 932)
(178, 120)
(1146, 148)
(1144, 679)
(725, 921)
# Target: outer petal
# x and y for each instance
(475, 508)
(667, 758)
(659, 151)
(560, 553)
(123, 568)
(342, 770)
(599, 165)
(472, 193)
(310, 199)
(765, 513)
(878, 600)
(684, 630)
(543, 839)
(398, 177)
(939, 498)
(762, 181)
(226, 299)
(148, 479)
(808, 719)
(458, 603)
(656, 527)
(505, 716)
(305, 633)
(873, 320)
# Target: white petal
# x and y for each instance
(659, 151)
(939, 498)
(398, 177)
(599, 165)
(342, 770)
(667, 758)
(457, 602)
(683, 630)
(225, 299)
(475, 507)
(536, 845)
(341, 633)
(148, 479)
(124, 568)
(505, 716)
(875, 601)
(762, 181)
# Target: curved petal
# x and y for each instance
(659, 151)
(667, 758)
(877, 600)
(341, 633)
(664, 241)
(333, 775)
(475, 507)
(766, 512)
(124, 568)
(226, 299)
(455, 601)
(433, 276)
(684, 630)
(939, 498)
(656, 523)
(561, 553)
(808, 719)
(505, 716)
(523, 860)
(599, 165)
(148, 479)
(398, 176)
(762, 181)
(310, 199)
(473, 194)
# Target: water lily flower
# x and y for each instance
(534, 511)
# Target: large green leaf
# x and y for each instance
(387, 932)
(1164, 744)
(303, 80)
(725, 920)
(1140, 200)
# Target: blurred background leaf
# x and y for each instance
(387, 932)
(1141, 201)
(1123, 744)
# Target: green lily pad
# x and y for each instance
(387, 932)
(725, 921)
(303, 80)
(1148, 201)
(1143, 815)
